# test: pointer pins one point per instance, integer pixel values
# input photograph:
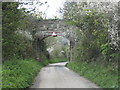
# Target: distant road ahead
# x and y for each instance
(58, 76)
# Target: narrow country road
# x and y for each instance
(58, 76)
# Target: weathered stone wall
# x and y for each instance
(56, 25)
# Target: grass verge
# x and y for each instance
(103, 76)
(0, 76)
(19, 73)
(57, 60)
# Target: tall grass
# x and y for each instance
(57, 60)
(19, 73)
(0, 76)
(103, 76)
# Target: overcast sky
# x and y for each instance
(51, 8)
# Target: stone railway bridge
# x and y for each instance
(60, 28)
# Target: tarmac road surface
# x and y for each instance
(58, 76)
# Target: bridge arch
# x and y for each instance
(46, 29)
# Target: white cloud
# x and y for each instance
(51, 8)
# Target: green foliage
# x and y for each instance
(11, 21)
(45, 62)
(0, 76)
(16, 31)
(19, 73)
(105, 77)
(44, 54)
(19, 46)
(56, 60)
(92, 34)
(104, 48)
(95, 56)
(57, 46)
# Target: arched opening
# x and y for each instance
(45, 37)
(58, 48)
(54, 27)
